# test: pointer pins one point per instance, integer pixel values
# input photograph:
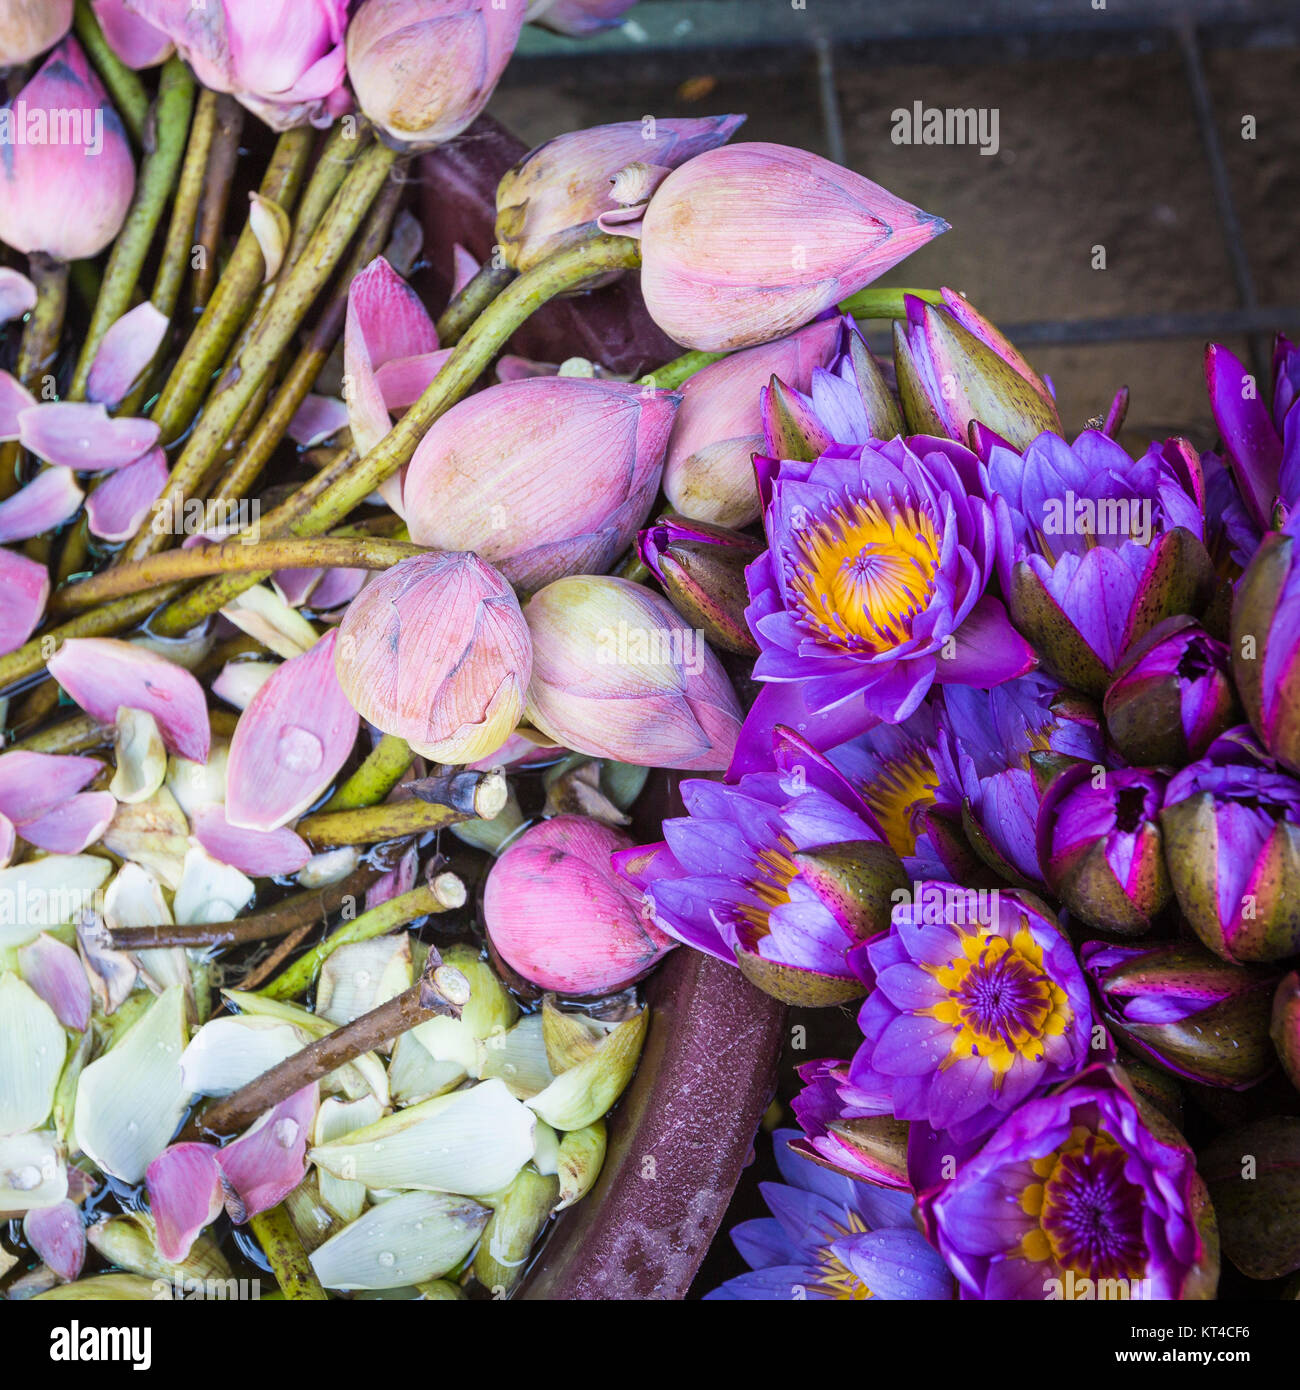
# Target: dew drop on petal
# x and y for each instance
(387, 1258)
(285, 1132)
(298, 749)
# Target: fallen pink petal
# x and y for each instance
(83, 437)
(118, 506)
(128, 348)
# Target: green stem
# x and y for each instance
(73, 735)
(295, 295)
(40, 340)
(287, 1256)
(877, 302)
(371, 825)
(231, 301)
(565, 271)
(171, 123)
(672, 374)
(234, 557)
(471, 301)
(124, 86)
(375, 778)
(98, 622)
(396, 912)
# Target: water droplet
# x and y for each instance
(387, 1258)
(132, 1127)
(285, 1132)
(298, 749)
(25, 1179)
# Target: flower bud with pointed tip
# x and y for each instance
(29, 27)
(554, 195)
(559, 914)
(424, 69)
(1100, 848)
(543, 477)
(1285, 1029)
(66, 184)
(702, 570)
(745, 243)
(435, 650)
(618, 674)
(1185, 1010)
(709, 474)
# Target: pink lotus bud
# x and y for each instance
(17, 294)
(543, 477)
(102, 674)
(269, 1160)
(435, 650)
(282, 59)
(554, 195)
(618, 674)
(290, 742)
(578, 18)
(710, 471)
(26, 586)
(29, 27)
(746, 243)
(54, 971)
(558, 914)
(423, 69)
(58, 1237)
(67, 177)
(185, 1195)
(135, 41)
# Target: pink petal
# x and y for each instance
(126, 350)
(14, 398)
(8, 839)
(69, 828)
(295, 586)
(32, 784)
(269, 1160)
(397, 880)
(385, 320)
(17, 295)
(55, 972)
(464, 267)
(135, 41)
(514, 368)
(115, 509)
(102, 674)
(338, 586)
(74, 434)
(26, 586)
(185, 1195)
(260, 853)
(290, 742)
(57, 1235)
(50, 499)
(316, 419)
(403, 380)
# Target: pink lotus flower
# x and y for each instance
(423, 69)
(290, 742)
(618, 674)
(748, 242)
(435, 650)
(282, 59)
(709, 475)
(543, 477)
(67, 177)
(136, 42)
(29, 27)
(103, 674)
(555, 194)
(559, 915)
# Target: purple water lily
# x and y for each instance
(1075, 1196)
(873, 586)
(727, 880)
(977, 1004)
(1093, 547)
(830, 1237)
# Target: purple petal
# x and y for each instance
(73, 434)
(125, 352)
(316, 420)
(50, 499)
(987, 649)
(115, 509)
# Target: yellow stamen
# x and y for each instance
(898, 795)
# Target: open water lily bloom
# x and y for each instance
(873, 586)
(977, 1003)
(1076, 1196)
(830, 1237)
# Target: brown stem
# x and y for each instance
(73, 735)
(222, 162)
(40, 340)
(308, 909)
(470, 794)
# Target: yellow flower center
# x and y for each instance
(774, 871)
(899, 794)
(835, 1280)
(864, 573)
